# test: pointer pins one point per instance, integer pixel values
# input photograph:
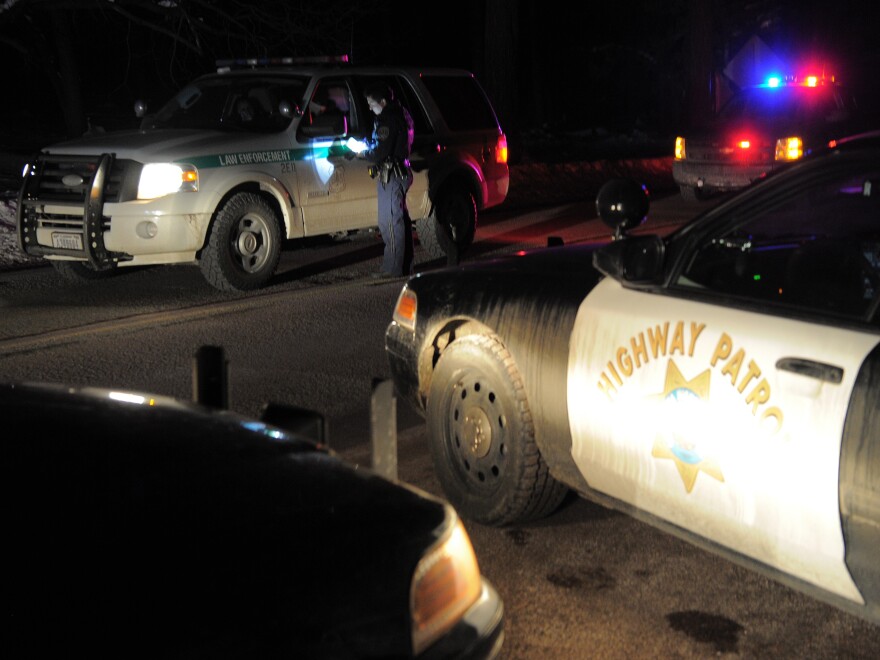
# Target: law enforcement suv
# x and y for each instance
(253, 154)
(760, 129)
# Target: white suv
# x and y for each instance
(253, 154)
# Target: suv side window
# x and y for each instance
(332, 96)
(462, 102)
(819, 250)
(407, 97)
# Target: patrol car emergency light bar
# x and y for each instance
(226, 65)
(796, 81)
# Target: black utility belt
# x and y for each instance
(388, 168)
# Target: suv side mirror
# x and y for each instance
(289, 110)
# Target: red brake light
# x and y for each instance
(501, 150)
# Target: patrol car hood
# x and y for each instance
(174, 519)
(167, 144)
(562, 261)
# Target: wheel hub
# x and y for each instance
(477, 432)
(248, 242)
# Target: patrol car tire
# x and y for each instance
(482, 438)
(79, 271)
(692, 193)
(244, 246)
(455, 215)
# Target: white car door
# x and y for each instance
(336, 192)
(718, 404)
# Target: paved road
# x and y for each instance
(584, 583)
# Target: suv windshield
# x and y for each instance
(252, 104)
(794, 103)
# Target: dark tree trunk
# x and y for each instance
(502, 43)
(699, 98)
(66, 77)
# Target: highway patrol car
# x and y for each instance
(253, 154)
(722, 383)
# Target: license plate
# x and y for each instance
(67, 241)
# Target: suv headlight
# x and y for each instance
(158, 179)
(445, 584)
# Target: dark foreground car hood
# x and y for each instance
(154, 528)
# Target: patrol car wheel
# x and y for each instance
(79, 271)
(244, 246)
(482, 438)
(692, 193)
(450, 228)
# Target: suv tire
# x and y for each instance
(450, 227)
(244, 246)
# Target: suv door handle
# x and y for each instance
(811, 369)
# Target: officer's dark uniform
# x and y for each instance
(390, 149)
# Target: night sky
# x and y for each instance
(547, 65)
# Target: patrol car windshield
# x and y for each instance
(257, 105)
(791, 103)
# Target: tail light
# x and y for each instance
(501, 150)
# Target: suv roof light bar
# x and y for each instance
(253, 62)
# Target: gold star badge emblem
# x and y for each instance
(684, 451)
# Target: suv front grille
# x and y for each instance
(67, 193)
(57, 179)
(732, 155)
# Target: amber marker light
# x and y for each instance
(789, 148)
(405, 310)
(679, 148)
(445, 584)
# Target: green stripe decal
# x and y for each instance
(324, 149)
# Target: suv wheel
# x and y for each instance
(449, 229)
(244, 246)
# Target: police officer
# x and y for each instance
(389, 150)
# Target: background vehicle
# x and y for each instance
(720, 384)
(244, 158)
(145, 526)
(761, 128)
